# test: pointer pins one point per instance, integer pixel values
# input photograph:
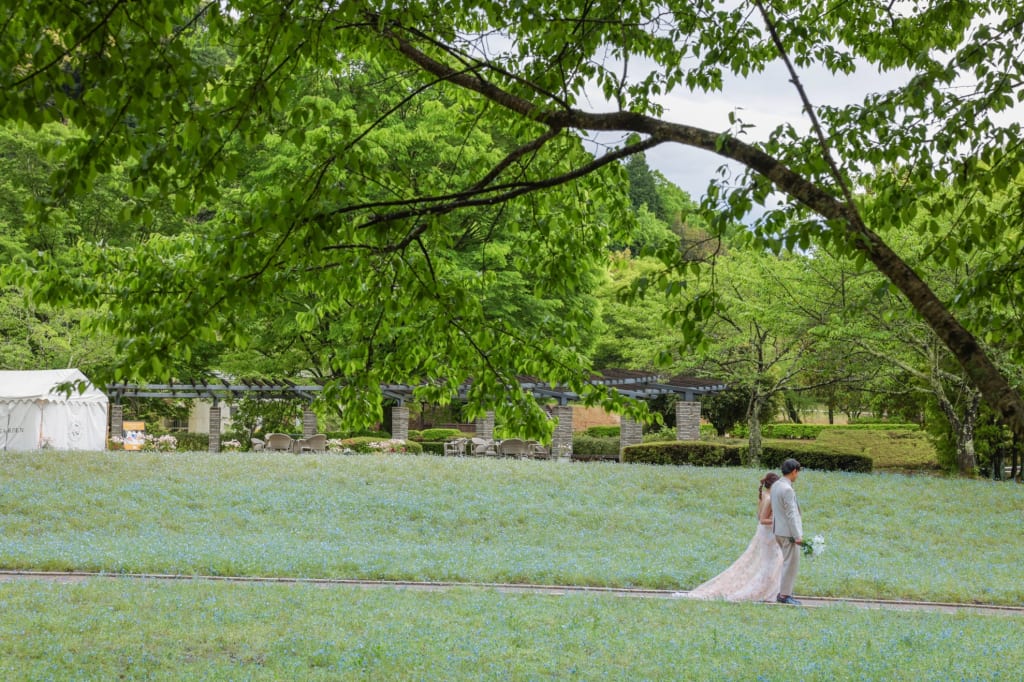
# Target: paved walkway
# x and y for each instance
(813, 602)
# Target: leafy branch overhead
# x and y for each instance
(431, 209)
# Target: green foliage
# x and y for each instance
(254, 418)
(440, 435)
(587, 446)
(813, 431)
(663, 434)
(814, 458)
(377, 446)
(197, 442)
(696, 453)
(603, 431)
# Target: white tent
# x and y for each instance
(35, 415)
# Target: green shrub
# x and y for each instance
(697, 453)
(195, 442)
(585, 445)
(440, 435)
(665, 433)
(812, 431)
(772, 457)
(603, 431)
(376, 445)
(415, 435)
(432, 448)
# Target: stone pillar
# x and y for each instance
(484, 426)
(215, 428)
(561, 439)
(396, 421)
(630, 433)
(688, 420)
(308, 423)
(117, 421)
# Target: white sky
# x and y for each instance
(765, 101)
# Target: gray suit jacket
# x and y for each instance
(786, 521)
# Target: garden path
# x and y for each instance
(813, 602)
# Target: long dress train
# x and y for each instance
(754, 576)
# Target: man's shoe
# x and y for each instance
(787, 600)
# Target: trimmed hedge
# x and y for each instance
(602, 431)
(772, 457)
(432, 448)
(584, 445)
(811, 431)
(701, 453)
(361, 444)
(694, 452)
(440, 435)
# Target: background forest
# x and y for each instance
(364, 196)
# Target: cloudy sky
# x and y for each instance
(765, 101)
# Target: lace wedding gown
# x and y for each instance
(754, 576)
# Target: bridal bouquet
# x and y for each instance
(814, 546)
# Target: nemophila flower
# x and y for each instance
(814, 546)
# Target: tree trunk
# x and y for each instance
(754, 425)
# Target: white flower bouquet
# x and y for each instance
(814, 546)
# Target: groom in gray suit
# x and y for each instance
(789, 532)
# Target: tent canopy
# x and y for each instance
(42, 385)
(35, 414)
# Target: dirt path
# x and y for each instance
(813, 602)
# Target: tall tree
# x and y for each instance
(127, 73)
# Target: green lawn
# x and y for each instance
(106, 630)
(490, 520)
(484, 520)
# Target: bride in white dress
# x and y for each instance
(755, 575)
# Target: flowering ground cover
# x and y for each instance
(106, 630)
(495, 520)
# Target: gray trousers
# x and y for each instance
(790, 564)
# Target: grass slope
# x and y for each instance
(433, 518)
(106, 630)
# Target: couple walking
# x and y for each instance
(767, 569)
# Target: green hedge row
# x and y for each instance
(595, 446)
(811, 431)
(697, 453)
(773, 456)
(701, 453)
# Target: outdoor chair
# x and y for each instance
(514, 447)
(280, 442)
(257, 444)
(456, 448)
(317, 443)
(537, 449)
(483, 446)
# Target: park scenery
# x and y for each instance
(433, 341)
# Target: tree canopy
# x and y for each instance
(368, 219)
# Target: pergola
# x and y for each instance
(631, 383)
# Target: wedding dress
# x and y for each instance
(752, 577)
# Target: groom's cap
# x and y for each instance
(789, 466)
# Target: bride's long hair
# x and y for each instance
(767, 482)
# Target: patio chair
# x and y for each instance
(317, 443)
(279, 442)
(456, 448)
(514, 447)
(482, 446)
(537, 449)
(257, 444)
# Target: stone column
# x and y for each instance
(117, 421)
(484, 426)
(630, 433)
(561, 439)
(396, 421)
(215, 428)
(308, 422)
(688, 420)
